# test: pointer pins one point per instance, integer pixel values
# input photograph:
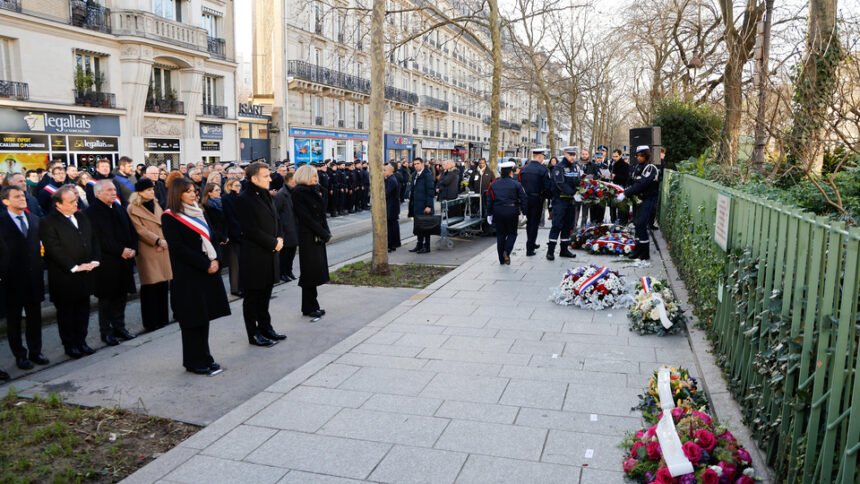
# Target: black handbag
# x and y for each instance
(428, 225)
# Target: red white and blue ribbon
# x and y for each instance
(600, 274)
(50, 188)
(192, 223)
(646, 284)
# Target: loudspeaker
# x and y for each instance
(644, 136)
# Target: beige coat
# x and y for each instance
(153, 266)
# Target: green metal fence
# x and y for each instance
(785, 329)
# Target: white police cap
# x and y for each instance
(641, 148)
(541, 151)
(507, 164)
(571, 149)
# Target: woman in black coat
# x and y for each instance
(213, 209)
(392, 207)
(234, 233)
(197, 291)
(313, 234)
(284, 204)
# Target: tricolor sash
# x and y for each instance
(600, 274)
(192, 223)
(660, 304)
(50, 188)
(646, 284)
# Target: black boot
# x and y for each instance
(644, 252)
(565, 251)
(550, 251)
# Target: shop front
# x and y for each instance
(211, 139)
(30, 139)
(476, 151)
(162, 150)
(398, 148)
(437, 149)
(254, 141)
(309, 145)
(459, 152)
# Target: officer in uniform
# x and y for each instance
(565, 180)
(645, 184)
(365, 186)
(322, 174)
(597, 212)
(343, 180)
(506, 199)
(536, 183)
(333, 188)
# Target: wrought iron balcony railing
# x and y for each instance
(13, 5)
(322, 75)
(433, 103)
(215, 110)
(95, 99)
(217, 47)
(166, 106)
(15, 90)
(89, 16)
(399, 95)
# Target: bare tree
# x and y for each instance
(375, 144)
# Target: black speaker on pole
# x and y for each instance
(649, 136)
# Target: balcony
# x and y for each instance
(217, 47)
(166, 106)
(95, 99)
(215, 111)
(424, 132)
(516, 127)
(433, 103)
(137, 23)
(341, 124)
(13, 5)
(401, 96)
(89, 16)
(327, 77)
(19, 91)
(414, 130)
(359, 125)
(318, 120)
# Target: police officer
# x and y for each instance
(565, 180)
(333, 188)
(597, 211)
(322, 174)
(365, 174)
(645, 184)
(536, 183)
(349, 193)
(342, 181)
(506, 199)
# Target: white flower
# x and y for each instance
(749, 472)
(717, 469)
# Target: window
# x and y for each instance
(88, 72)
(211, 22)
(210, 97)
(317, 110)
(340, 28)
(340, 115)
(169, 9)
(160, 83)
(317, 18)
(359, 116)
(6, 59)
(317, 56)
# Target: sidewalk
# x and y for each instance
(478, 378)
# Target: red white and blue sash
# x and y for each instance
(646, 284)
(600, 274)
(192, 223)
(50, 189)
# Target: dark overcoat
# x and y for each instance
(284, 205)
(66, 247)
(259, 264)
(422, 193)
(392, 198)
(313, 235)
(114, 232)
(23, 275)
(197, 297)
(449, 185)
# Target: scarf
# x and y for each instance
(215, 203)
(196, 212)
(150, 205)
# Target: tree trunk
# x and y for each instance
(573, 95)
(815, 86)
(495, 97)
(760, 130)
(375, 146)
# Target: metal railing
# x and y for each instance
(399, 95)
(322, 75)
(359, 125)
(217, 47)
(13, 5)
(15, 90)
(166, 106)
(95, 99)
(341, 123)
(215, 110)
(433, 103)
(318, 120)
(785, 326)
(89, 16)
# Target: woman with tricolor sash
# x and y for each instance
(197, 290)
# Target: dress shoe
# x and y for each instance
(530, 253)
(4, 376)
(260, 340)
(424, 250)
(417, 248)
(201, 371)
(23, 363)
(537, 246)
(110, 340)
(238, 294)
(214, 366)
(285, 278)
(74, 353)
(86, 350)
(39, 359)
(272, 335)
(123, 334)
(315, 314)
(391, 250)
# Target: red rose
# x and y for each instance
(727, 436)
(706, 439)
(599, 193)
(692, 451)
(634, 452)
(710, 477)
(745, 480)
(629, 464)
(665, 477)
(705, 417)
(729, 470)
(652, 431)
(654, 451)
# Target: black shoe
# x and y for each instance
(4, 376)
(507, 258)
(565, 252)
(391, 250)
(315, 314)
(530, 253)
(39, 359)
(74, 353)
(201, 371)
(550, 251)
(238, 294)
(86, 350)
(23, 363)
(417, 248)
(285, 278)
(259, 340)
(292, 276)
(272, 335)
(110, 340)
(424, 250)
(123, 334)
(214, 367)
(537, 246)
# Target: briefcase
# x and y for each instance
(428, 225)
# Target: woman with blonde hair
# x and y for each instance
(314, 233)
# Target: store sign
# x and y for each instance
(62, 123)
(251, 110)
(722, 225)
(307, 150)
(211, 131)
(398, 142)
(319, 133)
(58, 143)
(93, 143)
(161, 145)
(210, 146)
(23, 142)
(437, 145)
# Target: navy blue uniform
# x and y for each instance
(506, 199)
(645, 184)
(565, 182)
(536, 183)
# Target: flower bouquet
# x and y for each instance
(644, 313)
(714, 452)
(611, 244)
(685, 394)
(598, 192)
(586, 235)
(589, 287)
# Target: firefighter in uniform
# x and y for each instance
(565, 180)
(645, 184)
(506, 199)
(536, 183)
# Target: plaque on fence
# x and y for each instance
(722, 225)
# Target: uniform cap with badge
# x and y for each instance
(573, 150)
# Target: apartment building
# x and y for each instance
(150, 79)
(312, 74)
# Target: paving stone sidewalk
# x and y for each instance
(476, 379)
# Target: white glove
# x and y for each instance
(490, 220)
(578, 198)
(620, 197)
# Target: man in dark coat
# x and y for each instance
(114, 278)
(103, 172)
(18, 180)
(322, 172)
(421, 202)
(284, 205)
(365, 186)
(350, 185)
(23, 283)
(58, 179)
(392, 207)
(259, 266)
(152, 172)
(536, 182)
(71, 253)
(449, 187)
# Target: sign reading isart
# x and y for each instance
(722, 225)
(60, 123)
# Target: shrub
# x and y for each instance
(687, 129)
